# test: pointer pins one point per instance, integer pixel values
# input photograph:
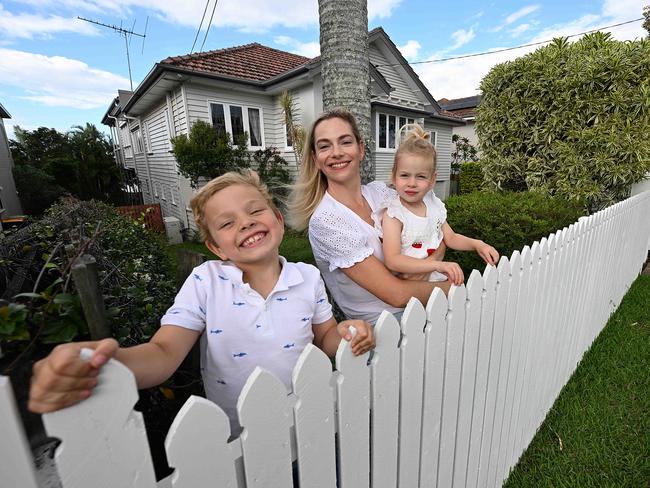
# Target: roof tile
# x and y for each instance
(249, 62)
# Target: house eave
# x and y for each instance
(424, 113)
(3, 113)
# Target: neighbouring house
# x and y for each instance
(239, 89)
(9, 202)
(465, 108)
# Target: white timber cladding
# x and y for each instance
(395, 76)
(452, 397)
(8, 196)
(443, 147)
(199, 98)
(162, 164)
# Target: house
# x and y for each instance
(9, 202)
(465, 108)
(239, 89)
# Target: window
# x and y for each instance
(433, 137)
(138, 142)
(287, 137)
(388, 127)
(237, 119)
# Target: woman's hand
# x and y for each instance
(488, 253)
(363, 341)
(63, 378)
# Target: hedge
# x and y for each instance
(471, 177)
(506, 220)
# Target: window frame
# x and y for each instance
(139, 146)
(388, 149)
(245, 119)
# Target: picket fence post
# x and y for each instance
(450, 398)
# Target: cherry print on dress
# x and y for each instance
(417, 245)
(430, 251)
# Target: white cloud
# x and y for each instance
(257, 16)
(520, 29)
(58, 81)
(28, 26)
(410, 49)
(521, 13)
(462, 37)
(381, 8)
(462, 77)
(307, 49)
(515, 16)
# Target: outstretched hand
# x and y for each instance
(363, 341)
(63, 378)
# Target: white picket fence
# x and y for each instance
(451, 401)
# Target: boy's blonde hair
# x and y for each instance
(243, 177)
(414, 140)
(311, 183)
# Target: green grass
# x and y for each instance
(295, 247)
(598, 432)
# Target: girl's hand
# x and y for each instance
(363, 341)
(488, 253)
(453, 272)
(63, 378)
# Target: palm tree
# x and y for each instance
(345, 65)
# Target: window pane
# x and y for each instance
(433, 137)
(402, 122)
(391, 131)
(254, 128)
(288, 135)
(382, 130)
(411, 121)
(236, 122)
(218, 118)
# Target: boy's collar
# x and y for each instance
(290, 275)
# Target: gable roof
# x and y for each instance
(249, 62)
(3, 113)
(461, 107)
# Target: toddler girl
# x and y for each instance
(414, 222)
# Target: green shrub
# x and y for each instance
(569, 119)
(471, 177)
(43, 306)
(508, 221)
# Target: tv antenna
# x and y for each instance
(126, 33)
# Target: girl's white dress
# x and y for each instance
(421, 236)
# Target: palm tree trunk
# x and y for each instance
(345, 65)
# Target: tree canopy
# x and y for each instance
(49, 163)
(569, 119)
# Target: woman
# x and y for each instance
(343, 220)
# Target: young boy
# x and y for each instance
(251, 309)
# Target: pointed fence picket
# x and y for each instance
(450, 398)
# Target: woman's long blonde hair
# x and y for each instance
(414, 140)
(311, 184)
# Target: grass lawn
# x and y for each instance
(598, 432)
(295, 247)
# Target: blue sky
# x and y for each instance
(57, 71)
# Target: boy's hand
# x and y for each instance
(63, 378)
(453, 272)
(488, 253)
(363, 341)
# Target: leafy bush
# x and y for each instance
(506, 220)
(207, 153)
(273, 170)
(570, 119)
(43, 306)
(471, 177)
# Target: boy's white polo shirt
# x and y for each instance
(242, 330)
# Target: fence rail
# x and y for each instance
(451, 397)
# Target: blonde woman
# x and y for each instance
(343, 218)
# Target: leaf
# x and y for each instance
(29, 295)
